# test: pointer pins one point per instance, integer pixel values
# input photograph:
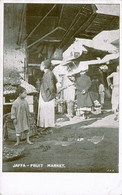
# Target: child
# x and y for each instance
(101, 93)
(20, 115)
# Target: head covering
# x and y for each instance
(20, 90)
(47, 63)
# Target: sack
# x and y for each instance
(107, 94)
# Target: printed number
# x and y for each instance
(110, 170)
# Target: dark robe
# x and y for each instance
(94, 90)
(48, 86)
(83, 82)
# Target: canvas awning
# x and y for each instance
(91, 54)
(116, 43)
(51, 26)
(107, 36)
(84, 65)
(102, 46)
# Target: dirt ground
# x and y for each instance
(75, 145)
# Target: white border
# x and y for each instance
(60, 183)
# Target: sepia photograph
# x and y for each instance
(61, 87)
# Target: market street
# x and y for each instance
(89, 145)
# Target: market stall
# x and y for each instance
(97, 69)
(11, 83)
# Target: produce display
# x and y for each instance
(9, 89)
(12, 154)
(12, 80)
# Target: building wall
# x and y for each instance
(14, 55)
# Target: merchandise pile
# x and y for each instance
(12, 154)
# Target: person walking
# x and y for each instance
(69, 94)
(101, 93)
(115, 91)
(46, 107)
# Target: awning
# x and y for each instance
(91, 54)
(84, 65)
(116, 43)
(110, 57)
(107, 36)
(103, 46)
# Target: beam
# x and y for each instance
(86, 23)
(40, 17)
(85, 35)
(40, 22)
(111, 23)
(75, 19)
(94, 8)
(21, 24)
(83, 27)
(60, 15)
(52, 40)
(49, 33)
(71, 26)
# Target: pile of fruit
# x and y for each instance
(9, 89)
(12, 154)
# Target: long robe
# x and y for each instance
(69, 91)
(115, 91)
(83, 82)
(46, 113)
(46, 106)
(94, 91)
(20, 112)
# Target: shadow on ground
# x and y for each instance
(74, 148)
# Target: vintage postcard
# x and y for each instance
(61, 95)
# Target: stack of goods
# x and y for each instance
(80, 113)
(61, 106)
(11, 80)
(9, 89)
(97, 107)
(12, 154)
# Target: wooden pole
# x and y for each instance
(40, 22)
(71, 26)
(60, 15)
(83, 27)
(21, 25)
(57, 28)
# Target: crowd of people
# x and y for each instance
(81, 89)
